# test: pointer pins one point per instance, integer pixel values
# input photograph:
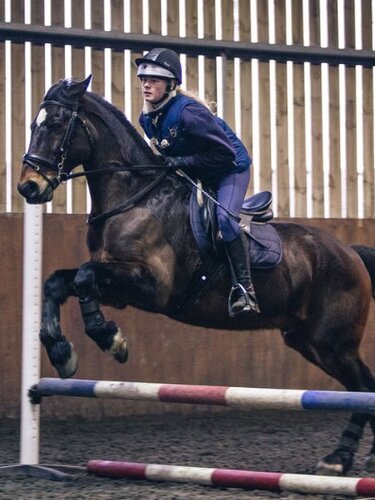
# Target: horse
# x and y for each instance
(143, 253)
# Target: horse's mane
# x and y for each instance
(130, 141)
(112, 116)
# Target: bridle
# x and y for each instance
(36, 162)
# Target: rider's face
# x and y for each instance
(153, 89)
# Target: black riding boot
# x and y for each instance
(242, 295)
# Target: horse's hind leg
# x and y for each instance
(91, 283)
(57, 288)
(336, 353)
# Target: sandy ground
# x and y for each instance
(265, 441)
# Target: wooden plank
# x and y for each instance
(191, 31)
(351, 181)
(349, 24)
(78, 185)
(228, 69)
(173, 17)
(332, 24)
(245, 84)
(366, 25)
(317, 151)
(137, 99)
(210, 76)
(368, 143)
(3, 172)
(282, 142)
(155, 17)
(58, 73)
(335, 171)
(18, 120)
(300, 178)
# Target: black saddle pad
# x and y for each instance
(264, 241)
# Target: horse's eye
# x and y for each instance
(54, 126)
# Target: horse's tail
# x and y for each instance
(367, 255)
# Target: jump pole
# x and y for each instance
(235, 397)
(234, 478)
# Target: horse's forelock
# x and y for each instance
(60, 92)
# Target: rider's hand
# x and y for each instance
(175, 162)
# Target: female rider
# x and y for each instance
(192, 139)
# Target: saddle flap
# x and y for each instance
(257, 204)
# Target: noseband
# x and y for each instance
(36, 162)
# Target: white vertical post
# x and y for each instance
(32, 271)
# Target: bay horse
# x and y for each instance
(143, 254)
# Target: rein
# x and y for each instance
(130, 203)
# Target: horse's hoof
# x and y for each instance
(119, 347)
(370, 463)
(69, 368)
(326, 469)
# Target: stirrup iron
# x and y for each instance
(237, 287)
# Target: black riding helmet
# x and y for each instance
(165, 58)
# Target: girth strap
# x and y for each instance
(200, 281)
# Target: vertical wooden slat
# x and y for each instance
(332, 24)
(366, 25)
(117, 25)
(368, 147)
(18, 106)
(173, 17)
(58, 73)
(349, 24)
(3, 172)
(37, 63)
(317, 157)
(299, 117)
(335, 172)
(245, 83)
(282, 143)
(228, 69)
(78, 186)
(155, 17)
(282, 118)
(299, 140)
(136, 27)
(191, 31)
(351, 146)
(209, 62)
(97, 13)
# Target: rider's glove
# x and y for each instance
(175, 162)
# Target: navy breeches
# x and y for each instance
(231, 193)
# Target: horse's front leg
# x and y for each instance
(58, 287)
(92, 283)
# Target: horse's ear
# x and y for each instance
(77, 89)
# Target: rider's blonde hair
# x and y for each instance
(194, 95)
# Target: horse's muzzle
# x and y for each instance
(31, 192)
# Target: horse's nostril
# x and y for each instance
(29, 190)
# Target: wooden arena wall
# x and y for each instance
(161, 350)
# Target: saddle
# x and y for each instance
(264, 242)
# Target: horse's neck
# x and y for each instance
(115, 148)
